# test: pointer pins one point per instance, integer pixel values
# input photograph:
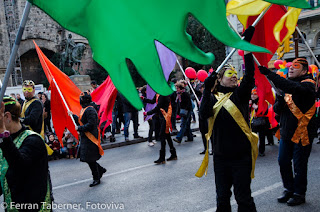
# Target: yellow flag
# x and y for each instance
(246, 7)
(290, 20)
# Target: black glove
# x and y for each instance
(248, 33)
(263, 70)
(210, 81)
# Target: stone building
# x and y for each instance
(44, 31)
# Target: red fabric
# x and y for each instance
(271, 116)
(105, 96)
(263, 36)
(70, 93)
(318, 103)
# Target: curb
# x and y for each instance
(109, 145)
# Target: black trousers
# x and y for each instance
(233, 172)
(96, 170)
(164, 136)
(262, 139)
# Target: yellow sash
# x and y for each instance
(25, 106)
(223, 100)
(301, 132)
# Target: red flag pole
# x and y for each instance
(64, 101)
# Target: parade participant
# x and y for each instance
(164, 110)
(297, 128)
(23, 161)
(234, 146)
(32, 109)
(151, 120)
(90, 144)
(184, 103)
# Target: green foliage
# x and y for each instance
(206, 42)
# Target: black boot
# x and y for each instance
(94, 183)
(162, 159)
(285, 196)
(173, 155)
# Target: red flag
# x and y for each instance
(263, 36)
(69, 91)
(105, 96)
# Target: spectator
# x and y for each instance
(46, 112)
(184, 103)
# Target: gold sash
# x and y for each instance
(223, 100)
(25, 106)
(301, 132)
(167, 117)
(91, 137)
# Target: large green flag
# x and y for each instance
(127, 29)
(292, 3)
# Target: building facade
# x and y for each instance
(49, 36)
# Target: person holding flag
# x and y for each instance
(164, 110)
(90, 144)
(234, 146)
(296, 108)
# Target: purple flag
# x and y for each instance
(168, 61)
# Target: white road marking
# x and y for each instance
(106, 175)
(254, 194)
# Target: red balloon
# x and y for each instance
(240, 52)
(289, 64)
(191, 73)
(202, 75)
(277, 63)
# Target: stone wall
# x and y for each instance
(46, 33)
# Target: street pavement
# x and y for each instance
(134, 183)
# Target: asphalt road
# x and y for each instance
(134, 183)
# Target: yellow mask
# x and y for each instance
(230, 73)
(27, 89)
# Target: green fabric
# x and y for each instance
(292, 3)
(127, 29)
(4, 168)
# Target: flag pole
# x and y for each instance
(310, 50)
(64, 101)
(194, 93)
(234, 50)
(257, 62)
(15, 48)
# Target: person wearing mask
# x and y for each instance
(226, 105)
(90, 143)
(298, 127)
(32, 109)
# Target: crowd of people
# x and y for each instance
(228, 117)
